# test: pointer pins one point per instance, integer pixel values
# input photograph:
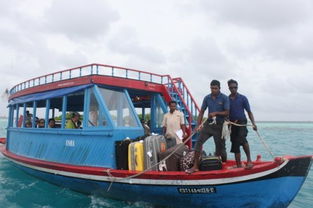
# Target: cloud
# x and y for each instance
(265, 45)
(265, 14)
(79, 18)
(125, 43)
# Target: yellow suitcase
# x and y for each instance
(136, 156)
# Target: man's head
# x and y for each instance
(51, 123)
(75, 116)
(215, 87)
(41, 123)
(233, 86)
(172, 104)
(28, 124)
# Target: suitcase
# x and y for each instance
(153, 145)
(173, 162)
(121, 154)
(210, 163)
(136, 156)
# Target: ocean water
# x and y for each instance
(19, 190)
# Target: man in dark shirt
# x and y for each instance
(239, 103)
(218, 105)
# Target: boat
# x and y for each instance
(84, 159)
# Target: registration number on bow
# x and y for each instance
(206, 190)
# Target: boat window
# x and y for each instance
(13, 116)
(160, 110)
(159, 113)
(96, 117)
(119, 108)
(55, 113)
(75, 110)
(20, 116)
(40, 113)
(28, 115)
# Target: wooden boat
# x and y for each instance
(84, 159)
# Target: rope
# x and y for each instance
(148, 169)
(261, 139)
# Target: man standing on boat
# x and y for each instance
(238, 104)
(218, 107)
(172, 122)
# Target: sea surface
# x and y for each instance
(18, 189)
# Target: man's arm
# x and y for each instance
(246, 106)
(164, 130)
(164, 125)
(222, 113)
(251, 117)
(183, 128)
(200, 117)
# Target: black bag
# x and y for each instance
(121, 154)
(210, 163)
(173, 162)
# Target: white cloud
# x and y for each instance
(265, 45)
(79, 18)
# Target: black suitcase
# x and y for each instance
(121, 154)
(173, 162)
(210, 163)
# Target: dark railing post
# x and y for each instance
(80, 71)
(97, 69)
(139, 75)
(126, 73)
(112, 71)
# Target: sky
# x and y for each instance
(267, 45)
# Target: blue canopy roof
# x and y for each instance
(48, 94)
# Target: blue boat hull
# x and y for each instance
(275, 190)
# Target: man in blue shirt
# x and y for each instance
(238, 104)
(218, 106)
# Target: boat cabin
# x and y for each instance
(110, 104)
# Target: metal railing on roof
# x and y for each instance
(91, 69)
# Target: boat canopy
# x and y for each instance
(47, 94)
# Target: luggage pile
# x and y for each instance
(145, 153)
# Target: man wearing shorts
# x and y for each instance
(218, 106)
(238, 104)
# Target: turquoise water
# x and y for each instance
(18, 189)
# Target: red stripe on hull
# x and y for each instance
(170, 175)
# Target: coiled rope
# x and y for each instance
(257, 133)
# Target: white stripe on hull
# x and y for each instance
(154, 181)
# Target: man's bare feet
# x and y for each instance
(192, 170)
